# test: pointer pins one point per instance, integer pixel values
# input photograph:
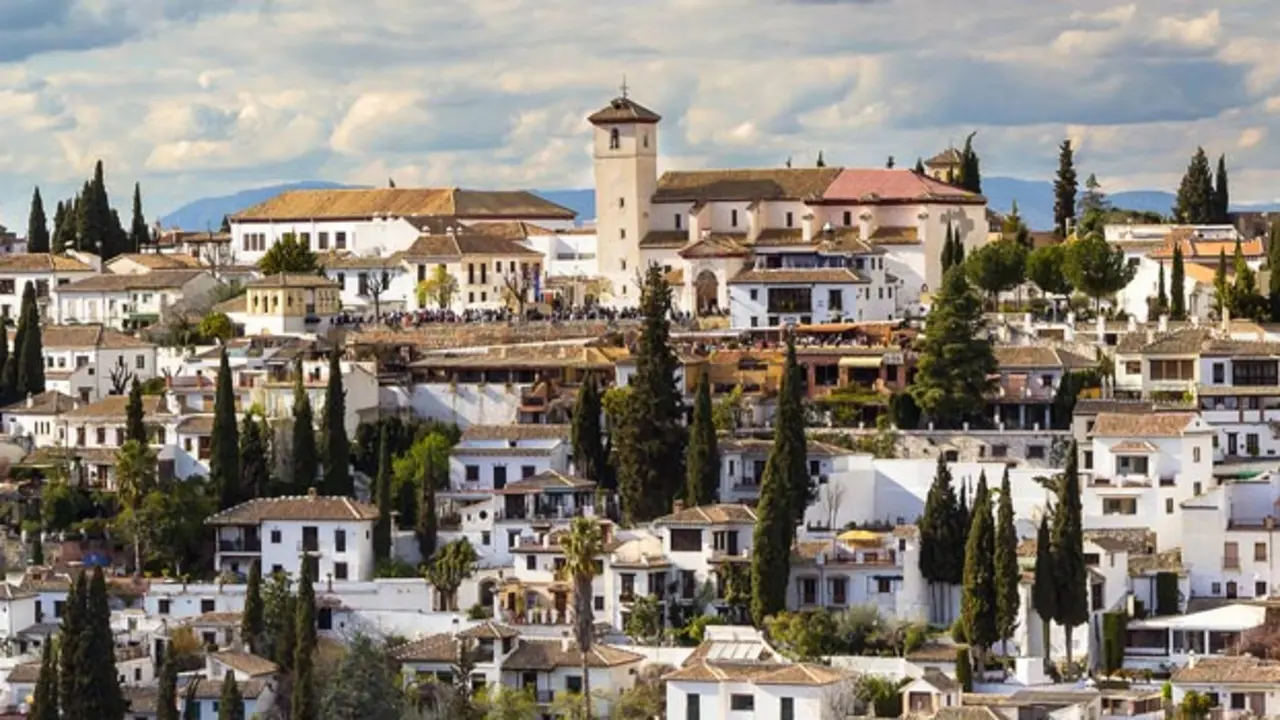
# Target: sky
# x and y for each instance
(205, 97)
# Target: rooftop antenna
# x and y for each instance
(624, 86)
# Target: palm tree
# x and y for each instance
(581, 547)
(135, 477)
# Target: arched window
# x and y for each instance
(615, 141)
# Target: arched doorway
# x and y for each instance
(707, 289)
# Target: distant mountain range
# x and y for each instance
(1034, 198)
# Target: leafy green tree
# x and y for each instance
(136, 477)
(383, 530)
(997, 267)
(139, 234)
(583, 544)
(44, 699)
(440, 288)
(279, 606)
(649, 443)
(289, 255)
(364, 685)
(304, 465)
(167, 691)
(702, 458)
(919, 168)
(803, 636)
(253, 619)
(586, 434)
(230, 702)
(1065, 187)
(1096, 268)
(1222, 193)
(30, 354)
(956, 357)
(1072, 601)
(499, 702)
(1008, 576)
(224, 442)
(644, 624)
(337, 466)
(1177, 287)
(418, 475)
(1014, 228)
(255, 472)
(98, 686)
(1046, 267)
(1243, 298)
(304, 705)
(172, 522)
(453, 564)
(216, 326)
(134, 423)
(37, 226)
(1196, 203)
(979, 602)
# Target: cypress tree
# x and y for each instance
(1162, 297)
(1196, 203)
(970, 174)
(6, 381)
(251, 620)
(1220, 286)
(702, 460)
(1273, 264)
(224, 444)
(786, 480)
(255, 475)
(139, 234)
(948, 250)
(57, 244)
(978, 601)
(1221, 193)
(1068, 547)
(964, 670)
(304, 705)
(230, 702)
(1177, 280)
(919, 168)
(426, 527)
(382, 486)
(1065, 187)
(1044, 590)
(1008, 576)
(71, 636)
(135, 426)
(337, 466)
(957, 250)
(586, 434)
(44, 700)
(940, 536)
(304, 463)
(37, 226)
(167, 695)
(650, 441)
(30, 362)
(98, 685)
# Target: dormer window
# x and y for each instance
(615, 141)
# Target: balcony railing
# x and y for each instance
(308, 547)
(250, 545)
(546, 513)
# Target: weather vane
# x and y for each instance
(624, 86)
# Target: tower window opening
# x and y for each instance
(615, 141)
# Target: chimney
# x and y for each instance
(676, 506)
(1226, 320)
(31, 401)
(564, 641)
(1164, 322)
(1133, 323)
(171, 403)
(311, 493)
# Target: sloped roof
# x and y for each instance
(155, 280)
(303, 507)
(113, 406)
(947, 158)
(1038, 356)
(88, 336)
(1244, 670)
(1134, 425)
(41, 262)
(247, 663)
(710, 515)
(466, 243)
(330, 204)
(744, 185)
(799, 275)
(292, 280)
(549, 655)
(880, 185)
(157, 261)
(544, 481)
(717, 245)
(49, 402)
(516, 432)
(623, 110)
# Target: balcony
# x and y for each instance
(545, 513)
(309, 547)
(1120, 482)
(240, 545)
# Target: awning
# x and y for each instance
(861, 361)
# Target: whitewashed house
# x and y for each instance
(130, 300)
(90, 362)
(43, 270)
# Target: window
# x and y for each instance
(573, 683)
(164, 607)
(598, 603)
(1168, 506)
(1001, 451)
(1195, 454)
(340, 571)
(1260, 552)
(686, 540)
(1035, 452)
(742, 703)
(140, 362)
(1088, 460)
(499, 477)
(1254, 373)
(754, 294)
(1215, 588)
(473, 473)
(790, 300)
(787, 706)
(679, 221)
(275, 537)
(305, 238)
(1133, 367)
(1251, 443)
(322, 240)
(339, 540)
(615, 139)
(1219, 373)
(340, 240)
(7, 287)
(622, 234)
(528, 471)
(102, 436)
(622, 202)
(1119, 506)
(835, 300)
(692, 707)
(733, 218)
(530, 562)
(790, 220)
(1260, 589)
(1230, 555)
(1172, 369)
(1131, 465)
(1195, 489)
(848, 218)
(485, 538)
(119, 436)
(206, 606)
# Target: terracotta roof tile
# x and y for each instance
(745, 184)
(549, 655)
(489, 630)
(872, 186)
(1234, 670)
(516, 432)
(403, 202)
(49, 402)
(442, 648)
(41, 262)
(710, 515)
(24, 673)
(155, 280)
(1134, 425)
(665, 239)
(544, 481)
(1135, 541)
(623, 110)
(294, 508)
(247, 663)
(1205, 249)
(293, 280)
(113, 406)
(156, 261)
(717, 245)
(947, 158)
(799, 275)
